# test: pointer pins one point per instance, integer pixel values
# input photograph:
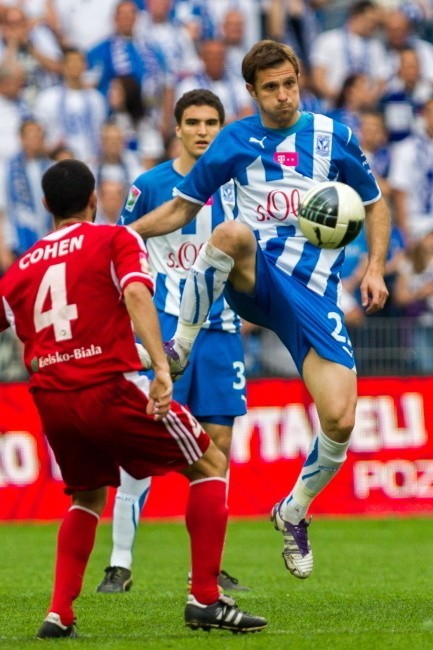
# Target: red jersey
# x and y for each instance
(64, 297)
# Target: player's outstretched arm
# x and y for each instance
(168, 217)
(378, 226)
(143, 314)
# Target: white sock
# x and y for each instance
(324, 459)
(204, 284)
(131, 496)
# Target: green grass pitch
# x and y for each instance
(372, 588)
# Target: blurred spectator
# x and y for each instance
(173, 148)
(414, 293)
(27, 220)
(396, 252)
(411, 180)
(6, 255)
(335, 13)
(82, 23)
(13, 109)
(61, 152)
(294, 22)
(355, 96)
(250, 10)
(157, 87)
(404, 97)
(127, 111)
(12, 367)
(373, 139)
(126, 54)
(354, 265)
(111, 197)
(352, 49)
(251, 340)
(195, 17)
(169, 55)
(354, 314)
(216, 77)
(71, 113)
(424, 25)
(265, 354)
(115, 163)
(36, 10)
(233, 37)
(117, 55)
(309, 100)
(274, 357)
(398, 35)
(34, 47)
(156, 28)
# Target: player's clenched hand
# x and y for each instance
(160, 394)
(373, 291)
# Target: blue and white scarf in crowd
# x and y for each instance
(28, 221)
(79, 125)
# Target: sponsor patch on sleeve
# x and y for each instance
(133, 196)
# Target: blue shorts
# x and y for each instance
(213, 386)
(301, 318)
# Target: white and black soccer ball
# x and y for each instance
(331, 215)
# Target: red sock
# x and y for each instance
(206, 520)
(74, 544)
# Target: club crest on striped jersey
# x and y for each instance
(287, 158)
(228, 193)
(323, 145)
(133, 196)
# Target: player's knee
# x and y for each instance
(233, 238)
(338, 427)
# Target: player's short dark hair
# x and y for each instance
(198, 97)
(67, 187)
(267, 54)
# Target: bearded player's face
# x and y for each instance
(276, 91)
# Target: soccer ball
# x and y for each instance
(331, 215)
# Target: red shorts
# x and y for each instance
(95, 430)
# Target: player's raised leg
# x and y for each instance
(326, 455)
(229, 254)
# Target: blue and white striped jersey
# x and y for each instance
(171, 256)
(272, 170)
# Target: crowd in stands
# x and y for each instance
(98, 81)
